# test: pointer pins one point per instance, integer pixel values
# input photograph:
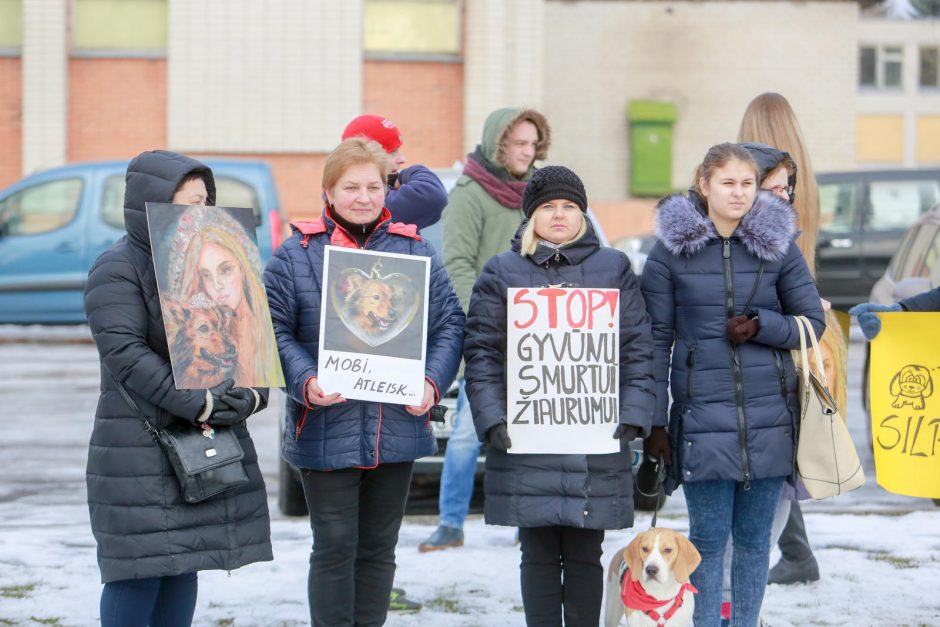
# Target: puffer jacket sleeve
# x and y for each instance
(797, 294)
(445, 330)
(484, 349)
(463, 230)
(658, 292)
(927, 301)
(637, 386)
(296, 361)
(118, 318)
(419, 199)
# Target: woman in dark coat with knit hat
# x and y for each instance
(561, 503)
(722, 286)
(151, 543)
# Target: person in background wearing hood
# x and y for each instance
(415, 195)
(721, 287)
(355, 456)
(150, 542)
(769, 119)
(483, 213)
(561, 503)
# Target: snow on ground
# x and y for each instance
(879, 553)
(878, 569)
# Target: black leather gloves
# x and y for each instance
(657, 444)
(741, 328)
(230, 405)
(626, 433)
(498, 437)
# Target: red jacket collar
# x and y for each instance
(340, 237)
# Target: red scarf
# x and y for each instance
(637, 598)
(506, 193)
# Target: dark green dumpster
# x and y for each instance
(650, 146)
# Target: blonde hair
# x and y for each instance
(530, 240)
(834, 339)
(353, 151)
(769, 119)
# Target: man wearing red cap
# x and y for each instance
(415, 194)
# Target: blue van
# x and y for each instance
(54, 224)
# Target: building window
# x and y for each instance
(119, 28)
(880, 66)
(11, 27)
(411, 28)
(929, 56)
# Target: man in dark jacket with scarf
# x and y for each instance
(150, 542)
(483, 212)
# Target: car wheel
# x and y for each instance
(291, 495)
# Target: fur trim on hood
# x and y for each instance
(766, 231)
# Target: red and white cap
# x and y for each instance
(376, 128)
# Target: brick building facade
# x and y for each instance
(103, 79)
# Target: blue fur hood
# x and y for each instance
(766, 231)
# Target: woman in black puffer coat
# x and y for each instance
(151, 543)
(561, 503)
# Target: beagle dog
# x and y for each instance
(648, 581)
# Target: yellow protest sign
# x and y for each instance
(905, 404)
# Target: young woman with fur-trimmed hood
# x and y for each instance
(721, 287)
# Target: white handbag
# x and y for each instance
(826, 459)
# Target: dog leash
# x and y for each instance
(660, 488)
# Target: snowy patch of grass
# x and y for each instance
(6, 621)
(894, 560)
(55, 621)
(17, 592)
(451, 606)
(225, 622)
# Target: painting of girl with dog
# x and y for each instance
(214, 304)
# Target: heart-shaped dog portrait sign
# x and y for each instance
(375, 308)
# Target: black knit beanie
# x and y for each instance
(551, 183)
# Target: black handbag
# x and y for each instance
(207, 460)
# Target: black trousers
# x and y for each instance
(355, 515)
(561, 576)
(793, 543)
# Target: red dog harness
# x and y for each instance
(636, 597)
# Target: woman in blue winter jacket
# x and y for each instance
(356, 456)
(722, 286)
(561, 503)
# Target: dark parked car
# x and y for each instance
(863, 217)
(54, 224)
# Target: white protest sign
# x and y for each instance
(373, 325)
(562, 370)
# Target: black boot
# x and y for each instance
(797, 563)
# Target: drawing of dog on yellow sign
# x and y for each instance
(910, 386)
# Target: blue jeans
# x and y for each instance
(460, 464)
(155, 601)
(717, 509)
